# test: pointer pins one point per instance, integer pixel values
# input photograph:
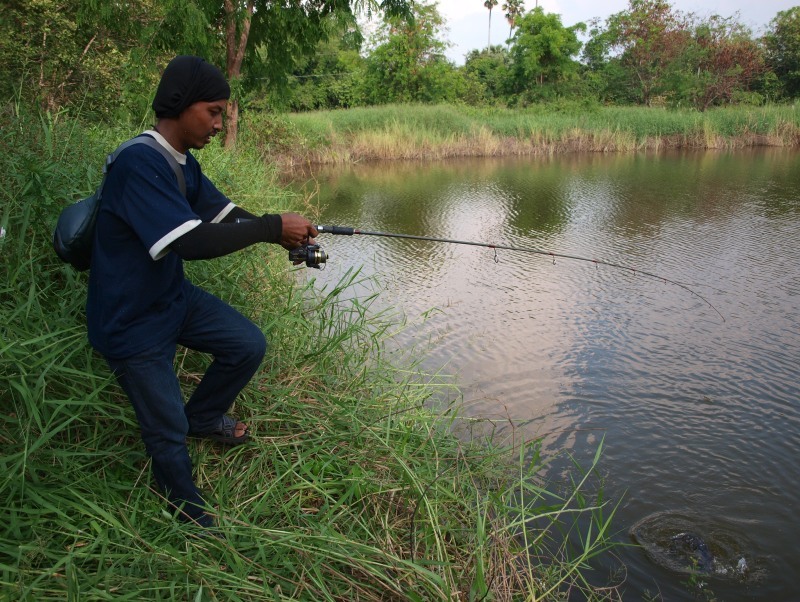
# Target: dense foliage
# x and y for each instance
(105, 56)
(782, 46)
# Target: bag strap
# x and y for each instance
(152, 143)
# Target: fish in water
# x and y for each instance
(696, 548)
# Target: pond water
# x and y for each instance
(699, 417)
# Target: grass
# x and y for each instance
(440, 131)
(353, 488)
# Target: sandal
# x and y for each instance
(225, 432)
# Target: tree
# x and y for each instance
(719, 60)
(97, 54)
(490, 4)
(604, 73)
(513, 10)
(328, 78)
(408, 63)
(649, 37)
(543, 50)
(782, 43)
(282, 31)
(491, 68)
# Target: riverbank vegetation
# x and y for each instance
(445, 131)
(353, 488)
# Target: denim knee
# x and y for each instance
(254, 347)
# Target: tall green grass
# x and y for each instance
(353, 489)
(425, 131)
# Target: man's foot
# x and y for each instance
(228, 432)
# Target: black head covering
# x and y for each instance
(185, 81)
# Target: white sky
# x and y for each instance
(467, 21)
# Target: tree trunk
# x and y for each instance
(233, 68)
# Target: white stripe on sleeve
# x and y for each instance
(221, 215)
(161, 247)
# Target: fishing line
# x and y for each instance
(342, 230)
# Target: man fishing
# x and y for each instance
(140, 306)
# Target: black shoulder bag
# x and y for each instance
(74, 232)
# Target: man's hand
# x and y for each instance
(296, 231)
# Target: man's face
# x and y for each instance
(200, 122)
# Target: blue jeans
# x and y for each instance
(237, 346)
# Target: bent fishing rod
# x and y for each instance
(313, 255)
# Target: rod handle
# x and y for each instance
(336, 230)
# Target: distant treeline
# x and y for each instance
(649, 54)
(103, 57)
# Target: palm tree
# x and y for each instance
(513, 10)
(490, 4)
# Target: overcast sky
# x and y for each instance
(468, 20)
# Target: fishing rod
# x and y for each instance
(315, 255)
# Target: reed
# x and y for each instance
(434, 132)
(353, 488)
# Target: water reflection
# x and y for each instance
(699, 417)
